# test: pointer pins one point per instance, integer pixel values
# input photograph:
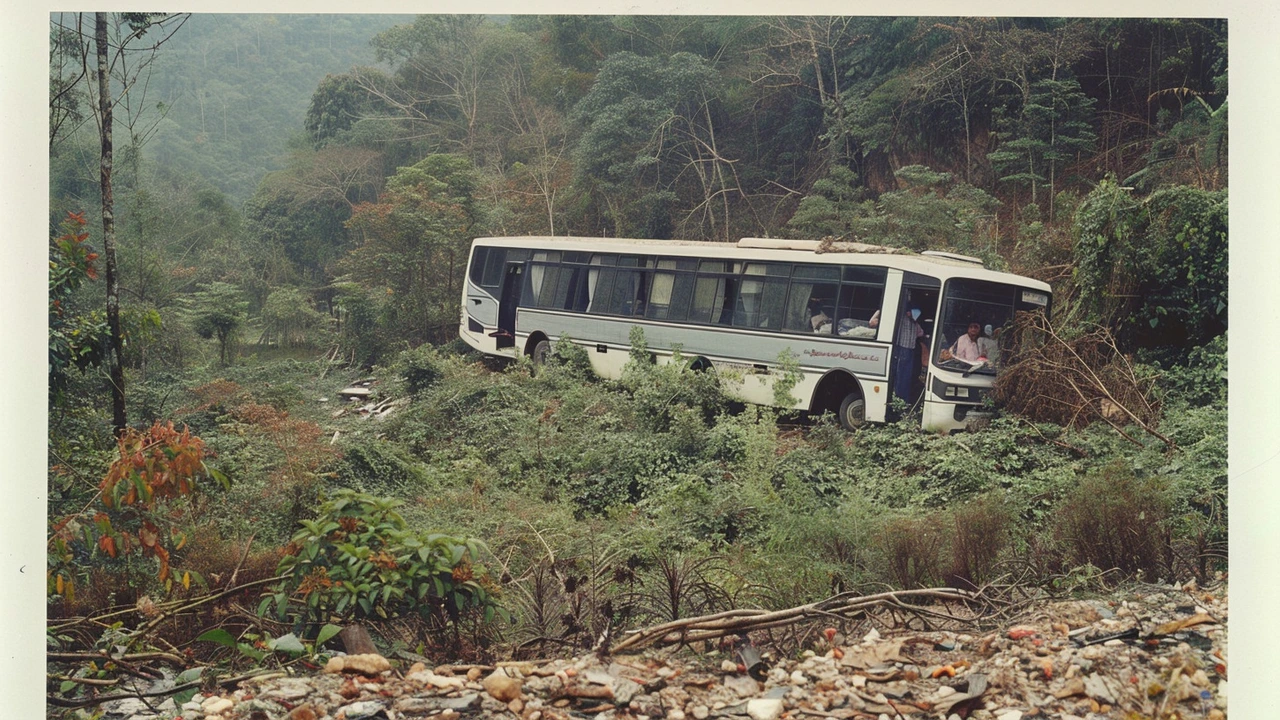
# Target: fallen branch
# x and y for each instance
(844, 606)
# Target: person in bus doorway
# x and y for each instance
(906, 360)
(966, 346)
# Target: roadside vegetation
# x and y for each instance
(248, 511)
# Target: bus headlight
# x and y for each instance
(954, 391)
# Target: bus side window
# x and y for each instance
(477, 264)
(707, 291)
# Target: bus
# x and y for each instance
(751, 311)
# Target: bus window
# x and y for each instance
(493, 264)
(600, 288)
(670, 296)
(707, 292)
(477, 264)
(762, 297)
(861, 297)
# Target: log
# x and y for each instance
(356, 641)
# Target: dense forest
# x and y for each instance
(290, 207)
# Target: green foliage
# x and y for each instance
(75, 338)
(1155, 268)
(291, 319)
(419, 369)
(1202, 379)
(219, 310)
(831, 206)
(415, 243)
(1049, 131)
(358, 559)
(933, 211)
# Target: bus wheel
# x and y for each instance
(853, 411)
(541, 351)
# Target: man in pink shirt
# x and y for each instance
(966, 347)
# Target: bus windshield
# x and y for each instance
(974, 315)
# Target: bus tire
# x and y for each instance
(853, 411)
(540, 352)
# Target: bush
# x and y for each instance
(1114, 520)
(358, 559)
(912, 551)
(980, 533)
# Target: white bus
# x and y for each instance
(736, 308)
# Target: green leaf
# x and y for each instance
(218, 635)
(288, 644)
(66, 686)
(327, 633)
(250, 651)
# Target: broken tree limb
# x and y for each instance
(844, 605)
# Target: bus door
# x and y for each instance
(920, 292)
(512, 286)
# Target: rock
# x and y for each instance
(361, 710)
(742, 685)
(700, 712)
(288, 689)
(797, 678)
(675, 714)
(728, 666)
(216, 705)
(366, 664)
(303, 712)
(1009, 715)
(1096, 687)
(764, 709)
(503, 687)
(624, 690)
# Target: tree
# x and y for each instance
(1049, 132)
(218, 310)
(650, 128)
(414, 244)
(117, 52)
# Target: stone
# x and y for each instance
(303, 712)
(216, 705)
(675, 714)
(700, 712)
(360, 710)
(288, 689)
(367, 664)
(728, 666)
(1096, 687)
(1010, 715)
(624, 690)
(764, 709)
(742, 685)
(503, 687)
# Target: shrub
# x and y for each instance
(912, 549)
(1114, 520)
(419, 369)
(358, 559)
(980, 533)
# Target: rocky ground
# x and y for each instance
(1150, 651)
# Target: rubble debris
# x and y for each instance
(894, 672)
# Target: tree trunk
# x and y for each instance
(114, 360)
(356, 640)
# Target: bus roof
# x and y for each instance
(941, 265)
